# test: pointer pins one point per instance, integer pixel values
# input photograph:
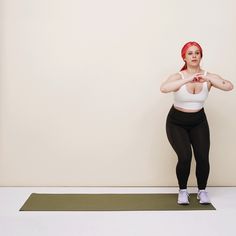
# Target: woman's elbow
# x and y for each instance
(163, 89)
(230, 87)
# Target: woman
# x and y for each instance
(186, 124)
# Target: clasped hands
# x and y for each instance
(199, 77)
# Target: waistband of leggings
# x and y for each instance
(187, 113)
(198, 115)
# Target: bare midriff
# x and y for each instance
(186, 110)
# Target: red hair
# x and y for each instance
(184, 50)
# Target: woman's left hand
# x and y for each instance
(200, 78)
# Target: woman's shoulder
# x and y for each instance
(212, 74)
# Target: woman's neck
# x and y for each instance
(193, 70)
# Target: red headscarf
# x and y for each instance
(184, 50)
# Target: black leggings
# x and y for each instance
(183, 131)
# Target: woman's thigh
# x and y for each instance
(179, 139)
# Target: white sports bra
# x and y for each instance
(184, 99)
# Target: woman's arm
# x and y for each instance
(173, 83)
(218, 82)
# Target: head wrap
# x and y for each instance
(185, 49)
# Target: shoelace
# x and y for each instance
(184, 191)
(202, 192)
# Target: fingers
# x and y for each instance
(198, 78)
(198, 75)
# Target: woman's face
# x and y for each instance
(193, 56)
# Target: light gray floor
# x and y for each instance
(146, 223)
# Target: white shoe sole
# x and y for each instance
(203, 203)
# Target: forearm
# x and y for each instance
(172, 85)
(218, 82)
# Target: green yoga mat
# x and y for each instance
(109, 202)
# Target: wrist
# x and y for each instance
(208, 79)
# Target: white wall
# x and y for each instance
(79, 89)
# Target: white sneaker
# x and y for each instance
(203, 197)
(183, 197)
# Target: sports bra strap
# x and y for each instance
(181, 74)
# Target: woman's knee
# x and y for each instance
(185, 159)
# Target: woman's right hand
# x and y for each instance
(196, 78)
